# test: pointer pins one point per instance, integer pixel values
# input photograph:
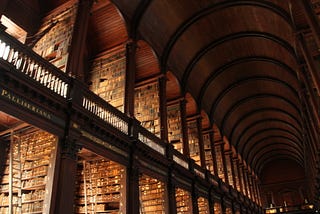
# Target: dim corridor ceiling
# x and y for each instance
(239, 61)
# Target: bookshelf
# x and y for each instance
(147, 107)
(208, 152)
(193, 138)
(100, 185)
(184, 201)
(219, 161)
(152, 195)
(203, 205)
(107, 75)
(27, 175)
(174, 127)
(229, 210)
(217, 208)
(236, 174)
(54, 45)
(229, 168)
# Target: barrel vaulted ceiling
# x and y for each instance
(239, 61)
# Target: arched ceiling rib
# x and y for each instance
(237, 59)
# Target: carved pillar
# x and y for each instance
(130, 78)
(133, 203)
(184, 128)
(75, 65)
(163, 108)
(224, 163)
(194, 196)
(65, 177)
(213, 153)
(201, 144)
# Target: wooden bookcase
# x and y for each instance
(174, 127)
(219, 161)
(229, 168)
(26, 181)
(236, 174)
(229, 210)
(184, 201)
(217, 208)
(207, 152)
(146, 108)
(152, 195)
(54, 45)
(203, 205)
(100, 185)
(193, 138)
(107, 75)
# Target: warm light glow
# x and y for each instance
(13, 29)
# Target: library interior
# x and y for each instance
(159, 106)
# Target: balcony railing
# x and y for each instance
(26, 61)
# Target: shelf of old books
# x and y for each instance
(229, 210)
(217, 208)
(152, 195)
(55, 44)
(184, 201)
(100, 185)
(229, 169)
(236, 174)
(26, 177)
(174, 126)
(203, 205)
(208, 152)
(219, 161)
(146, 108)
(193, 138)
(107, 74)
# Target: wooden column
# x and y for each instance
(201, 145)
(163, 108)
(236, 171)
(213, 153)
(75, 65)
(245, 178)
(194, 197)
(133, 203)
(228, 155)
(3, 155)
(66, 171)
(184, 128)
(130, 78)
(225, 169)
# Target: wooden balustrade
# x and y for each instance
(21, 58)
(26, 61)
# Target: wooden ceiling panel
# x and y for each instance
(147, 64)
(220, 24)
(106, 29)
(236, 52)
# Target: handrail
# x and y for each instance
(91, 102)
(151, 140)
(25, 60)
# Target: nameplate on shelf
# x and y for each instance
(103, 143)
(17, 100)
